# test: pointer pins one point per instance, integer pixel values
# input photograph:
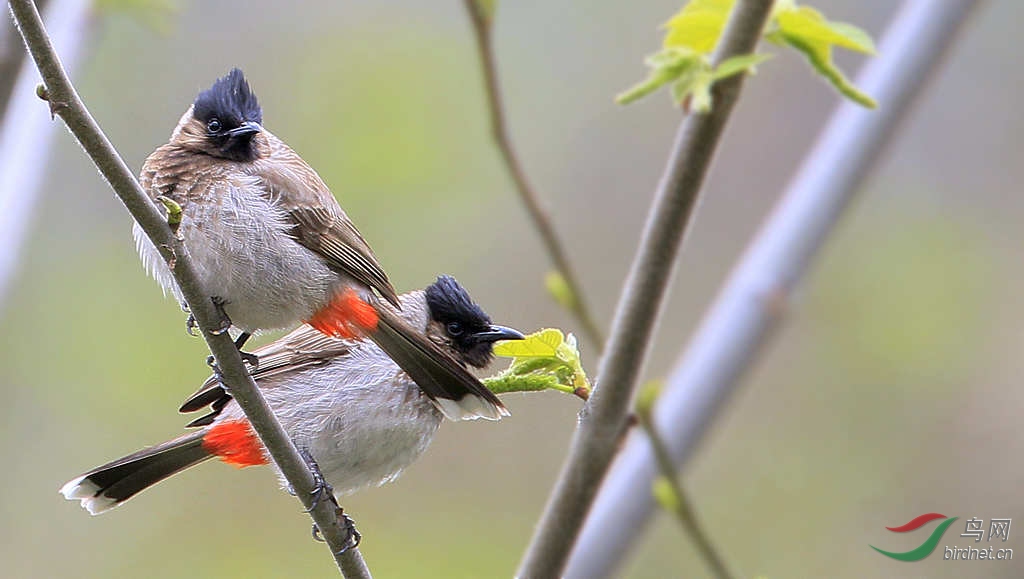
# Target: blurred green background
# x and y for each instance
(893, 389)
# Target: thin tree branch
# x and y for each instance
(603, 419)
(535, 207)
(750, 304)
(25, 132)
(64, 101)
(682, 507)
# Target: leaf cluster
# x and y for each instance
(684, 61)
(545, 360)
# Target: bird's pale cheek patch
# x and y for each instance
(347, 316)
(235, 443)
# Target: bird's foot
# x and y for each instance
(321, 489)
(352, 536)
(225, 321)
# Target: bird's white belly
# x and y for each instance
(360, 417)
(244, 256)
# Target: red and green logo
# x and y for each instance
(930, 543)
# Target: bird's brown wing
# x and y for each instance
(302, 348)
(337, 240)
(319, 223)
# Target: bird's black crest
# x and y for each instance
(230, 100)
(450, 302)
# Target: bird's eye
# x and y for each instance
(213, 126)
(454, 329)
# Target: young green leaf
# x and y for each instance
(809, 32)
(560, 290)
(542, 344)
(544, 360)
(692, 34)
(665, 494)
(738, 64)
(698, 25)
(670, 65)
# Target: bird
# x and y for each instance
(353, 413)
(273, 247)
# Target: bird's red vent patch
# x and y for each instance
(235, 443)
(347, 317)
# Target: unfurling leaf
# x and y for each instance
(542, 344)
(693, 33)
(674, 65)
(698, 25)
(544, 360)
(665, 494)
(809, 32)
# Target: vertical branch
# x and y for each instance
(603, 420)
(65, 102)
(748, 307)
(482, 19)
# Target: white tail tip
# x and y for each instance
(84, 490)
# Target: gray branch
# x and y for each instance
(603, 420)
(750, 305)
(64, 101)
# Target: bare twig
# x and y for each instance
(681, 506)
(539, 214)
(64, 101)
(747, 309)
(603, 419)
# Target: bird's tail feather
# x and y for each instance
(107, 486)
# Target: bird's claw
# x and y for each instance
(352, 537)
(191, 325)
(225, 321)
(321, 488)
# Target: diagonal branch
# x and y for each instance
(482, 19)
(748, 307)
(64, 101)
(681, 505)
(603, 420)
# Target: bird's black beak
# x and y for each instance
(247, 129)
(494, 333)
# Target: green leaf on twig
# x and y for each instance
(809, 32)
(693, 33)
(698, 25)
(684, 60)
(665, 494)
(545, 360)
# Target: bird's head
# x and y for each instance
(224, 121)
(460, 325)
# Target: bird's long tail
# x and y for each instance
(107, 486)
